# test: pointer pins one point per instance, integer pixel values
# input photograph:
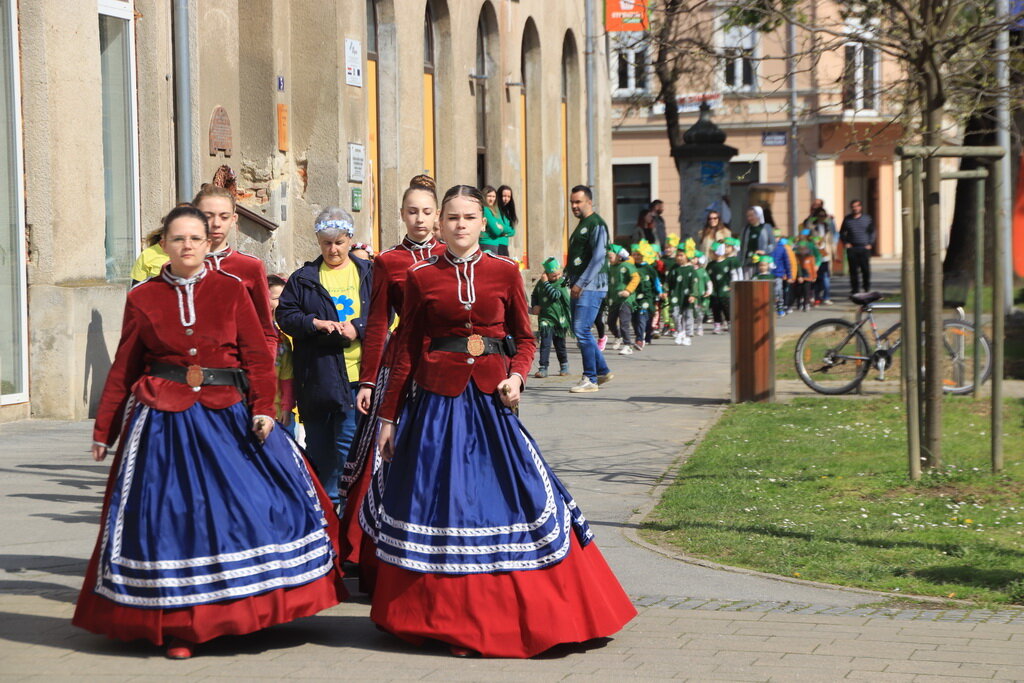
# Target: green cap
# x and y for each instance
(764, 258)
(732, 242)
(551, 265)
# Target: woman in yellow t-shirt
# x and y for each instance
(151, 260)
(323, 308)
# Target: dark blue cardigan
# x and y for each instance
(321, 379)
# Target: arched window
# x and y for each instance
(429, 118)
(372, 114)
(480, 91)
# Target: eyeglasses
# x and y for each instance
(193, 240)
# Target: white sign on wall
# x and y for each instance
(353, 62)
(356, 162)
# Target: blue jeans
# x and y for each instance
(823, 285)
(584, 313)
(328, 440)
(642, 323)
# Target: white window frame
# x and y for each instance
(859, 84)
(19, 198)
(125, 9)
(726, 43)
(631, 42)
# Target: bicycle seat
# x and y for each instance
(865, 298)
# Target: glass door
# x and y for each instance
(13, 308)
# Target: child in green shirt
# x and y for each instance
(682, 297)
(550, 303)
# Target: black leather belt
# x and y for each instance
(474, 345)
(196, 376)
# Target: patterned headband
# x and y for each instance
(335, 224)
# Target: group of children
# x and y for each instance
(677, 292)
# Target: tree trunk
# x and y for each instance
(959, 263)
(932, 114)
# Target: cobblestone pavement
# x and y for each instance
(695, 622)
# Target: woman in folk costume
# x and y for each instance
(419, 214)
(480, 545)
(212, 523)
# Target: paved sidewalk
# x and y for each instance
(611, 448)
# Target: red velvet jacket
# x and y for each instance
(389, 274)
(226, 334)
(253, 275)
(433, 309)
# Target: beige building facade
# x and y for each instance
(844, 125)
(300, 104)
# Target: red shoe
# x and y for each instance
(179, 649)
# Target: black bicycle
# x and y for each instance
(833, 356)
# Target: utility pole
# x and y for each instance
(591, 76)
(794, 152)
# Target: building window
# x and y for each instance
(739, 58)
(372, 117)
(480, 91)
(632, 188)
(120, 156)
(429, 136)
(860, 78)
(630, 66)
(13, 309)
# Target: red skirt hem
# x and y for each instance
(507, 614)
(201, 623)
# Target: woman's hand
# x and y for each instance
(509, 390)
(347, 330)
(99, 452)
(328, 326)
(386, 440)
(363, 399)
(261, 427)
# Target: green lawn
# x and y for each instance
(818, 489)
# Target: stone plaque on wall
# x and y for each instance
(220, 132)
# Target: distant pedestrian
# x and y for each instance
(507, 206)
(823, 284)
(151, 260)
(498, 229)
(587, 274)
(714, 230)
(757, 238)
(284, 400)
(622, 283)
(644, 230)
(658, 223)
(858, 234)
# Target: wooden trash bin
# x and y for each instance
(752, 329)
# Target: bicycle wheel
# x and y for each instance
(832, 356)
(957, 366)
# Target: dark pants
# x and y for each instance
(547, 338)
(823, 285)
(859, 261)
(328, 440)
(720, 309)
(620, 322)
(641, 320)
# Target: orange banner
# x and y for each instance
(625, 15)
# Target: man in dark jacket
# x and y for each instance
(858, 234)
(323, 308)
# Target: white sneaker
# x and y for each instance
(717, 329)
(626, 351)
(617, 345)
(700, 331)
(679, 338)
(687, 341)
(584, 387)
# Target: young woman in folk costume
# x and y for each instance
(480, 545)
(212, 523)
(218, 205)
(419, 214)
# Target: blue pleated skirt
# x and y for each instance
(201, 512)
(468, 492)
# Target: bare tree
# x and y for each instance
(944, 51)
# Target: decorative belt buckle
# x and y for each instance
(194, 376)
(475, 345)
